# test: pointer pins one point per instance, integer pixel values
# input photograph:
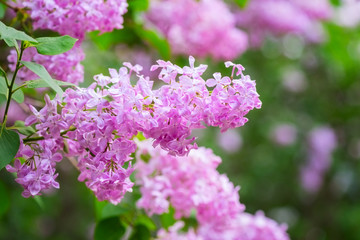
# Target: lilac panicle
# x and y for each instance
(276, 17)
(192, 183)
(199, 28)
(186, 183)
(99, 123)
(75, 18)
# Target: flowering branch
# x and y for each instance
(10, 87)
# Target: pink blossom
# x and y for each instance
(99, 123)
(284, 134)
(199, 28)
(322, 142)
(64, 67)
(186, 183)
(75, 18)
(348, 13)
(37, 173)
(244, 227)
(230, 141)
(276, 17)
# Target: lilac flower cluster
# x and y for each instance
(75, 18)
(68, 17)
(199, 28)
(193, 183)
(348, 14)
(322, 142)
(37, 172)
(189, 182)
(65, 67)
(98, 123)
(262, 17)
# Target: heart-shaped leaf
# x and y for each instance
(9, 146)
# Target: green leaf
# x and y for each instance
(40, 202)
(167, 219)
(140, 136)
(11, 42)
(155, 39)
(54, 45)
(18, 96)
(336, 3)
(146, 221)
(242, 3)
(2, 71)
(109, 229)
(9, 146)
(139, 5)
(44, 75)
(39, 83)
(21, 128)
(3, 86)
(2, 10)
(145, 157)
(140, 232)
(105, 40)
(106, 210)
(11, 33)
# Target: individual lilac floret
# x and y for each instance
(75, 18)
(64, 67)
(322, 142)
(198, 28)
(186, 183)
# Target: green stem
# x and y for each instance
(10, 92)
(18, 88)
(33, 139)
(25, 140)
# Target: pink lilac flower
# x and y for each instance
(64, 67)
(244, 227)
(230, 141)
(174, 234)
(284, 134)
(294, 80)
(75, 18)
(186, 183)
(348, 14)
(68, 17)
(15, 113)
(37, 172)
(276, 17)
(200, 28)
(322, 142)
(100, 122)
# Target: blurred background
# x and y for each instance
(297, 158)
